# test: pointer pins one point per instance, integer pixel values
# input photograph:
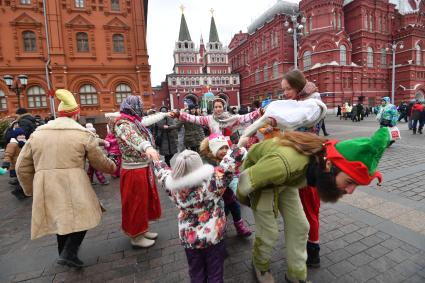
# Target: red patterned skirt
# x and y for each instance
(139, 200)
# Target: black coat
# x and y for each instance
(27, 123)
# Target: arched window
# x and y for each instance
(342, 55)
(79, 3)
(30, 43)
(36, 97)
(88, 95)
(266, 73)
(82, 42)
(275, 70)
(370, 57)
(118, 41)
(383, 58)
(121, 92)
(418, 54)
(307, 60)
(115, 5)
(25, 2)
(3, 102)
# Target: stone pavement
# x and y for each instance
(375, 235)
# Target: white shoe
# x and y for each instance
(142, 242)
(264, 276)
(151, 235)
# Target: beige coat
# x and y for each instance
(50, 167)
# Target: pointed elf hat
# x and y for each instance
(68, 106)
(359, 157)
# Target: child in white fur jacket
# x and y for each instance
(196, 189)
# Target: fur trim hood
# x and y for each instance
(195, 178)
(63, 123)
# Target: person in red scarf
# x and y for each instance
(139, 195)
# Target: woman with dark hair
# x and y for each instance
(139, 195)
(221, 121)
(275, 169)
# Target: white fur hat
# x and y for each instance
(90, 127)
(217, 141)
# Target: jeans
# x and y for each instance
(206, 265)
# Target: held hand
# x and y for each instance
(243, 141)
(152, 154)
(165, 126)
(107, 144)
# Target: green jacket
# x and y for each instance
(270, 165)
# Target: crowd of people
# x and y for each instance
(271, 159)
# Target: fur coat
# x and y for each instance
(50, 167)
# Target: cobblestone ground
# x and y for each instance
(375, 235)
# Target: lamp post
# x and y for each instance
(295, 30)
(16, 85)
(178, 99)
(394, 49)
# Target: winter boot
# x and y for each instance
(151, 235)
(69, 256)
(287, 280)
(18, 192)
(313, 257)
(142, 242)
(263, 276)
(241, 229)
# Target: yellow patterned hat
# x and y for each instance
(68, 106)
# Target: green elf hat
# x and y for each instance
(359, 157)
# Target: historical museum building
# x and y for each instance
(197, 71)
(344, 46)
(96, 49)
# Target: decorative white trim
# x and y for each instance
(195, 178)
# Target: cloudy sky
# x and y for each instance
(230, 16)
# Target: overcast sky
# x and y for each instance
(230, 16)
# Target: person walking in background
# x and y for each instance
(339, 112)
(166, 136)
(50, 167)
(409, 114)
(91, 171)
(417, 117)
(402, 109)
(13, 148)
(193, 133)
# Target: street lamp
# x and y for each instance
(295, 30)
(394, 48)
(16, 85)
(178, 99)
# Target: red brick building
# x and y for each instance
(96, 49)
(197, 70)
(345, 48)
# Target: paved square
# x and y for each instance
(375, 235)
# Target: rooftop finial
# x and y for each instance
(182, 8)
(212, 12)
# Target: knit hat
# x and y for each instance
(359, 157)
(68, 106)
(17, 132)
(90, 127)
(386, 99)
(217, 141)
(186, 162)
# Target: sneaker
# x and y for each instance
(142, 242)
(263, 276)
